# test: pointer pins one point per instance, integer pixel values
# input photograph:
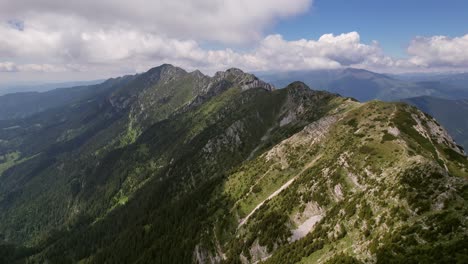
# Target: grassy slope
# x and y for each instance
(185, 183)
(172, 159)
(387, 183)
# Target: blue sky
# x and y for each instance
(87, 39)
(393, 23)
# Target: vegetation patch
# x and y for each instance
(388, 137)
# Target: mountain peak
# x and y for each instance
(298, 85)
(234, 73)
(162, 73)
(245, 80)
(165, 69)
(197, 73)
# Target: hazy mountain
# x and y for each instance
(452, 114)
(431, 76)
(172, 166)
(43, 87)
(24, 104)
(366, 85)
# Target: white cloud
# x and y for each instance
(114, 37)
(13, 67)
(219, 20)
(126, 50)
(328, 51)
(118, 36)
(7, 67)
(33, 43)
(439, 51)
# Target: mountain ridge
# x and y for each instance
(200, 169)
(366, 85)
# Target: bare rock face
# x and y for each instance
(245, 80)
(201, 255)
(229, 138)
(222, 81)
(431, 130)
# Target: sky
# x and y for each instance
(392, 23)
(55, 40)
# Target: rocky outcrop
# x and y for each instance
(244, 80)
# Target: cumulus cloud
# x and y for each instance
(274, 53)
(87, 49)
(126, 50)
(219, 20)
(328, 51)
(13, 67)
(439, 51)
(116, 37)
(122, 36)
(7, 67)
(137, 51)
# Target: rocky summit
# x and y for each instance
(171, 166)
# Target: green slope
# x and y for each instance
(221, 171)
(57, 152)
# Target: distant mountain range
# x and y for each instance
(366, 85)
(450, 78)
(23, 104)
(42, 87)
